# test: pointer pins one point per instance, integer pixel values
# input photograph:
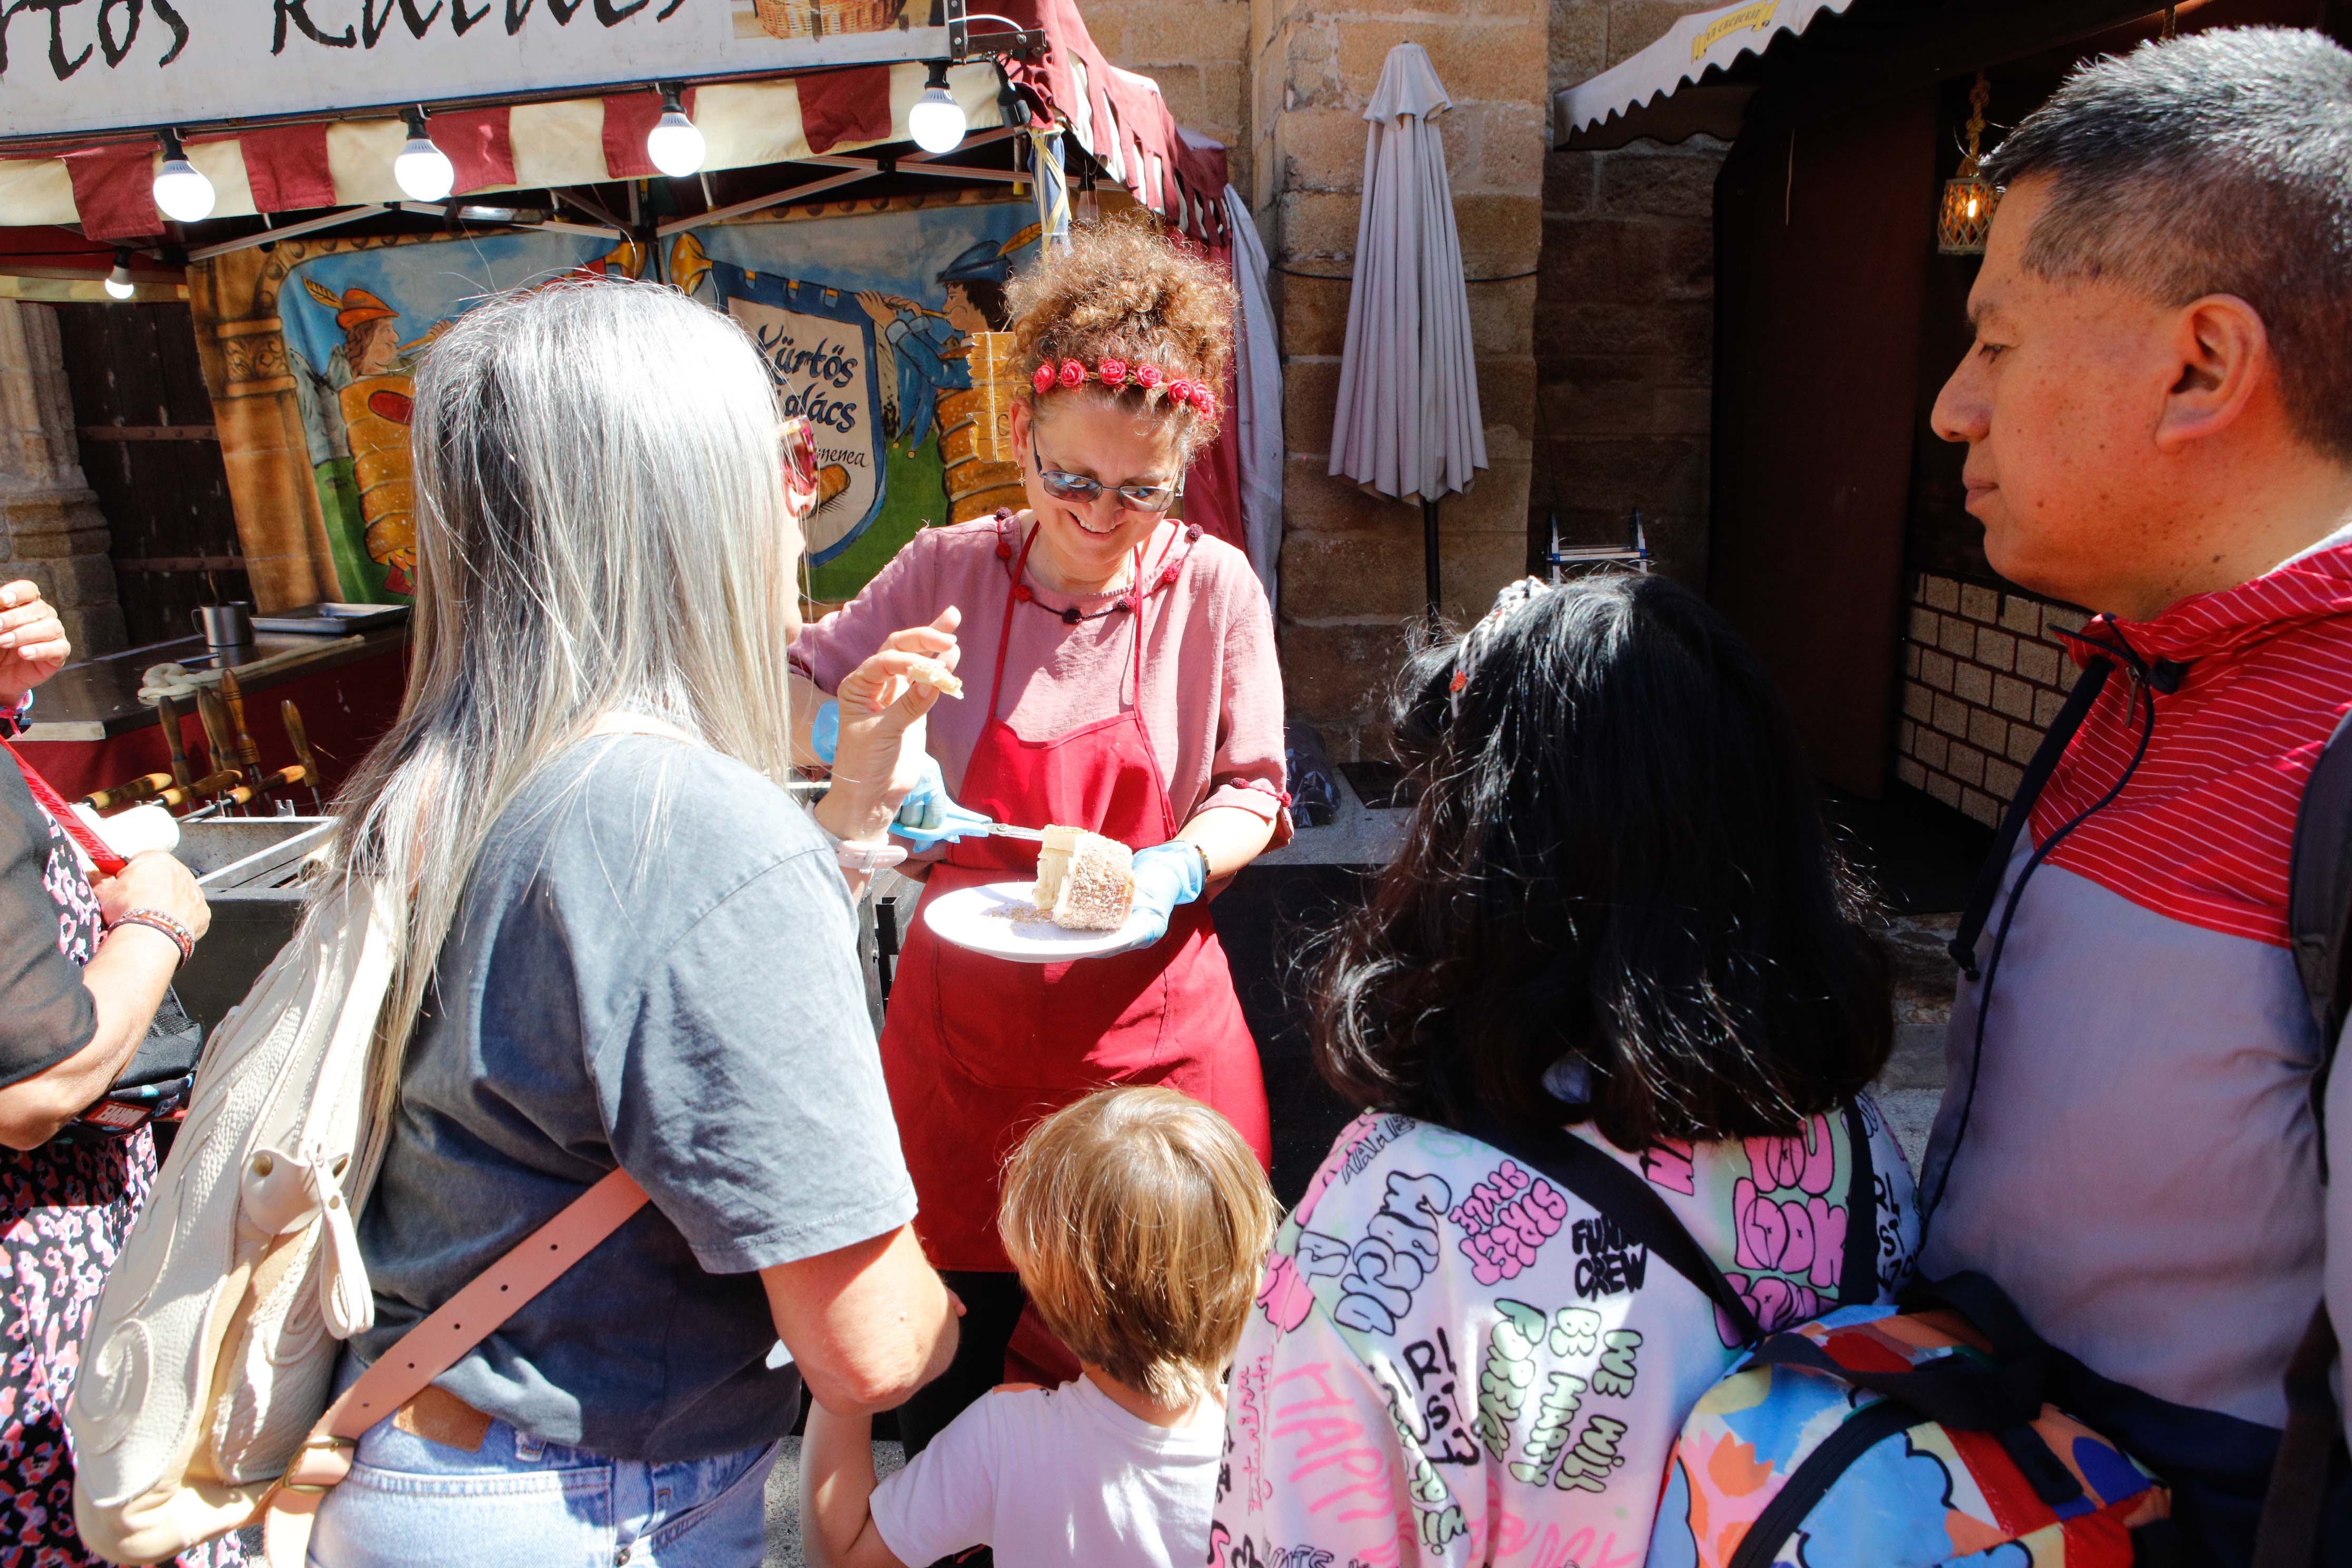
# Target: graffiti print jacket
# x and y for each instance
(2139, 1166)
(1452, 1361)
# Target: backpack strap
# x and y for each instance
(2287, 1535)
(2319, 905)
(101, 854)
(431, 1348)
(2046, 756)
(1626, 1200)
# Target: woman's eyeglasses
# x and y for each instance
(1079, 490)
(797, 441)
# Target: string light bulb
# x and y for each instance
(675, 143)
(937, 120)
(181, 191)
(423, 170)
(118, 282)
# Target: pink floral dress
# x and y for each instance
(64, 1206)
(1454, 1362)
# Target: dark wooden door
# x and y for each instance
(150, 450)
(1823, 231)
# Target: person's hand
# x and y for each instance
(32, 645)
(879, 758)
(878, 305)
(1166, 875)
(925, 808)
(154, 880)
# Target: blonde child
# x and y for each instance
(1137, 1218)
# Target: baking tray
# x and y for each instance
(331, 619)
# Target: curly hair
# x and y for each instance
(1123, 292)
(1618, 853)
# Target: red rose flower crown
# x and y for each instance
(1116, 374)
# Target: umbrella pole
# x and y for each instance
(1428, 551)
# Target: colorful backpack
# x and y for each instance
(1877, 1437)
(1911, 1436)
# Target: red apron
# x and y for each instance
(977, 1049)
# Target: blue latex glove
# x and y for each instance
(1166, 875)
(940, 820)
(923, 813)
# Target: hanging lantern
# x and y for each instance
(1970, 199)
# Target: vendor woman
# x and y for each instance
(1119, 676)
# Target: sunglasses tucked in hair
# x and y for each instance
(797, 441)
(1137, 1218)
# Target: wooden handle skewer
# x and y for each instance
(168, 715)
(223, 748)
(143, 787)
(248, 750)
(204, 788)
(299, 737)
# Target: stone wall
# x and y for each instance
(51, 531)
(1984, 673)
(1352, 563)
(1198, 51)
(1625, 318)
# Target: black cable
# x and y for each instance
(2141, 676)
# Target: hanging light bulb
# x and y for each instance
(1966, 216)
(118, 282)
(180, 191)
(423, 170)
(937, 122)
(675, 143)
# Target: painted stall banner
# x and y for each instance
(354, 323)
(871, 323)
(94, 65)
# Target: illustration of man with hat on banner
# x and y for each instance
(928, 359)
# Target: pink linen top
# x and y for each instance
(1212, 699)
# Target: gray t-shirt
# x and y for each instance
(653, 966)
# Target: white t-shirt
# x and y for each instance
(1053, 1475)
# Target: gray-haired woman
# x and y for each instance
(627, 947)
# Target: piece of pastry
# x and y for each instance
(1085, 881)
(931, 672)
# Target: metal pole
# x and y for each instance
(1429, 548)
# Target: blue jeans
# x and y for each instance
(529, 1504)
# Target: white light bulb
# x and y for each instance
(936, 121)
(424, 170)
(118, 283)
(181, 193)
(675, 144)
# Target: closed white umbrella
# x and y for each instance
(1408, 422)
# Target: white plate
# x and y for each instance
(983, 919)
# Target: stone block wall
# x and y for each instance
(51, 531)
(1626, 325)
(1352, 563)
(1984, 673)
(1198, 51)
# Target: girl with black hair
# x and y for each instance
(1616, 911)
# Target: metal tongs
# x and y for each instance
(956, 823)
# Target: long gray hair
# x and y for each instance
(602, 529)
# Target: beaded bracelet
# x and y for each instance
(156, 919)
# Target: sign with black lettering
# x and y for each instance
(70, 65)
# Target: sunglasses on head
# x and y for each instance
(1079, 490)
(797, 441)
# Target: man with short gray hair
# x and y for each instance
(2157, 408)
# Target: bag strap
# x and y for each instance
(1627, 1202)
(2054, 742)
(432, 1347)
(101, 854)
(2287, 1535)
